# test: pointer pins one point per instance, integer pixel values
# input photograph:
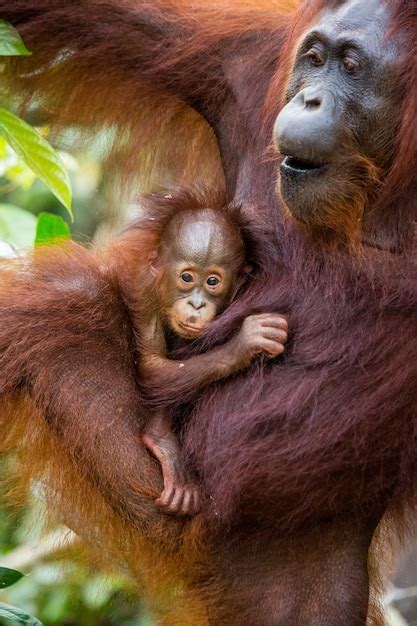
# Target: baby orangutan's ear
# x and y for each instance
(244, 274)
(155, 266)
(241, 279)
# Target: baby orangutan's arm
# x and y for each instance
(264, 333)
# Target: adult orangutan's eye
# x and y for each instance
(350, 64)
(316, 55)
(187, 278)
(212, 281)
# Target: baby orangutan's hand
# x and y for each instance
(264, 333)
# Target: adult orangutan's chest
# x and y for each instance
(345, 341)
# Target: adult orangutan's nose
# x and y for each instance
(308, 127)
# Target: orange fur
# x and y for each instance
(324, 438)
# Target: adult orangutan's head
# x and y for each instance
(337, 129)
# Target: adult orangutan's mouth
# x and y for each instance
(295, 165)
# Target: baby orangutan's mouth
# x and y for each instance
(191, 329)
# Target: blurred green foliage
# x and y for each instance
(51, 228)
(62, 590)
(23, 197)
(11, 43)
(9, 577)
(29, 144)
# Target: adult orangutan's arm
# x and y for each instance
(65, 339)
(104, 58)
(99, 425)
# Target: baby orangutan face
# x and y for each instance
(201, 265)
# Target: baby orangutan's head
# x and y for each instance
(200, 266)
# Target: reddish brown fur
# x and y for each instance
(52, 303)
(301, 457)
(76, 297)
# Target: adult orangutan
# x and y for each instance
(301, 458)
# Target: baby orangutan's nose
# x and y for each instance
(197, 302)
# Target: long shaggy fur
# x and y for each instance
(312, 431)
(323, 434)
(132, 68)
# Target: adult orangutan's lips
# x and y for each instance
(295, 165)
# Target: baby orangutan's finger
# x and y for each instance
(272, 348)
(187, 503)
(175, 506)
(275, 334)
(273, 319)
(165, 497)
(196, 501)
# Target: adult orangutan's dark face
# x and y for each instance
(337, 129)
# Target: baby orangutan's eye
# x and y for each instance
(213, 281)
(186, 277)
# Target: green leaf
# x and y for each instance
(20, 175)
(17, 227)
(17, 616)
(11, 44)
(51, 229)
(3, 148)
(38, 154)
(8, 577)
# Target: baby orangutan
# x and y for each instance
(195, 272)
